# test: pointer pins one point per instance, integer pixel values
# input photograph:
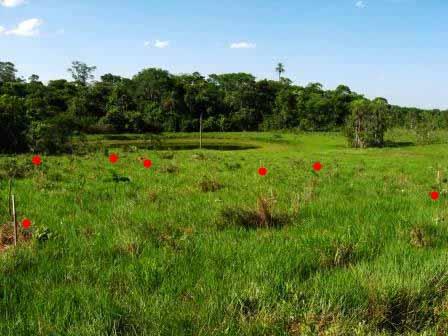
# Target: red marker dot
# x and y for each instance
(36, 160)
(317, 166)
(147, 164)
(434, 195)
(113, 158)
(26, 223)
(262, 171)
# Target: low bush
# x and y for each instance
(14, 169)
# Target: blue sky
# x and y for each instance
(391, 48)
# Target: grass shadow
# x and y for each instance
(398, 144)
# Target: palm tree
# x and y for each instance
(280, 69)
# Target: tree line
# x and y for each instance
(40, 117)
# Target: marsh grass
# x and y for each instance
(358, 248)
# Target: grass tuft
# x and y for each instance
(418, 237)
(209, 185)
(169, 169)
(166, 155)
(259, 218)
(232, 166)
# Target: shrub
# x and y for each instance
(14, 169)
(44, 234)
(51, 136)
(367, 123)
(425, 130)
(13, 124)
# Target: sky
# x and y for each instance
(394, 49)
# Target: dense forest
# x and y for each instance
(40, 117)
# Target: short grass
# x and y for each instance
(122, 250)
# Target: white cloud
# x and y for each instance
(361, 4)
(2, 29)
(27, 28)
(161, 44)
(243, 45)
(157, 44)
(12, 3)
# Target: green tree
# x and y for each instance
(33, 78)
(367, 123)
(280, 69)
(52, 136)
(13, 124)
(111, 79)
(81, 72)
(7, 72)
(152, 85)
(425, 128)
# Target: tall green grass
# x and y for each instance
(364, 249)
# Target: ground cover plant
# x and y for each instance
(187, 246)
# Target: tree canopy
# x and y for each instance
(155, 100)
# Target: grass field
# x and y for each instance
(187, 247)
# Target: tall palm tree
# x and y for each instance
(280, 69)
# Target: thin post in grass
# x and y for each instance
(14, 219)
(9, 197)
(200, 130)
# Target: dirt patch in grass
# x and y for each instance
(248, 307)
(152, 196)
(7, 236)
(132, 249)
(418, 237)
(263, 216)
(170, 236)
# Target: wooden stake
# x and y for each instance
(9, 197)
(14, 220)
(200, 131)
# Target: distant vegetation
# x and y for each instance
(41, 117)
